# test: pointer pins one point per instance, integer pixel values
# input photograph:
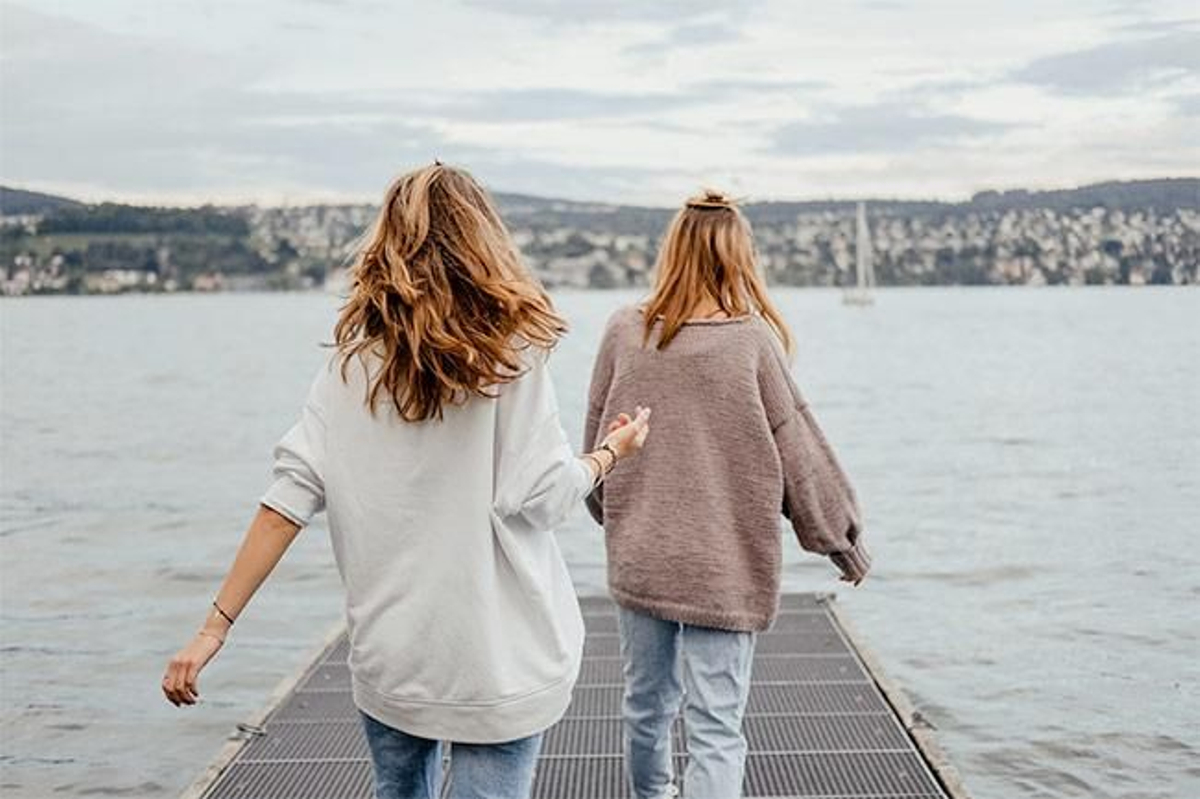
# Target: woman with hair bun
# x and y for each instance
(692, 527)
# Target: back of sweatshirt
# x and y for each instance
(462, 618)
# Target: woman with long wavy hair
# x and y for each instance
(431, 439)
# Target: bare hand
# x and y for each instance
(180, 682)
(627, 435)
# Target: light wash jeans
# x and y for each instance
(408, 767)
(667, 664)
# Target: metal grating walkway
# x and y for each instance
(822, 722)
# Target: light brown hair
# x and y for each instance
(709, 252)
(440, 293)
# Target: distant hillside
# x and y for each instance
(19, 201)
(540, 213)
(118, 218)
(534, 211)
(1163, 194)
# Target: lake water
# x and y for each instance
(1027, 462)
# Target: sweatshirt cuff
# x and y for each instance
(854, 562)
(583, 477)
(291, 500)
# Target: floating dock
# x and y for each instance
(822, 721)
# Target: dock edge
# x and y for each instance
(923, 734)
(238, 739)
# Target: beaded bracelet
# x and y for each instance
(602, 470)
(605, 447)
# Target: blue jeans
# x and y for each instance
(408, 767)
(667, 664)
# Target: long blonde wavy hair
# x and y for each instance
(439, 291)
(709, 253)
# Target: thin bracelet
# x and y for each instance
(210, 635)
(228, 618)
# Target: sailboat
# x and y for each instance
(864, 269)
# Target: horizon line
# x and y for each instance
(87, 197)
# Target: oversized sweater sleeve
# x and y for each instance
(818, 498)
(539, 480)
(297, 490)
(602, 374)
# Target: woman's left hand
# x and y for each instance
(179, 684)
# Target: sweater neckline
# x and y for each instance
(719, 320)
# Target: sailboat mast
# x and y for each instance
(864, 270)
(860, 249)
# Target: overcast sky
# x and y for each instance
(642, 101)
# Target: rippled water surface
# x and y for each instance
(1027, 461)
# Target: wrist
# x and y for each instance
(220, 613)
(205, 632)
(216, 626)
(218, 621)
(602, 461)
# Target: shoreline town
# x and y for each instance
(1136, 233)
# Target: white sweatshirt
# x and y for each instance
(462, 618)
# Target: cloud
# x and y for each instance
(277, 100)
(555, 103)
(85, 106)
(1150, 26)
(566, 103)
(89, 109)
(687, 35)
(883, 127)
(583, 12)
(693, 33)
(1188, 104)
(522, 173)
(1118, 66)
(731, 87)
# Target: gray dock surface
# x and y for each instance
(822, 721)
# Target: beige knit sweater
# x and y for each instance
(692, 525)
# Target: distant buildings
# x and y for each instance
(1010, 247)
(592, 246)
(1006, 247)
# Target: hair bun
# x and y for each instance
(710, 198)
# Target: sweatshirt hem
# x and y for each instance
(689, 614)
(469, 722)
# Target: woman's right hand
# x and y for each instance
(626, 435)
(179, 683)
